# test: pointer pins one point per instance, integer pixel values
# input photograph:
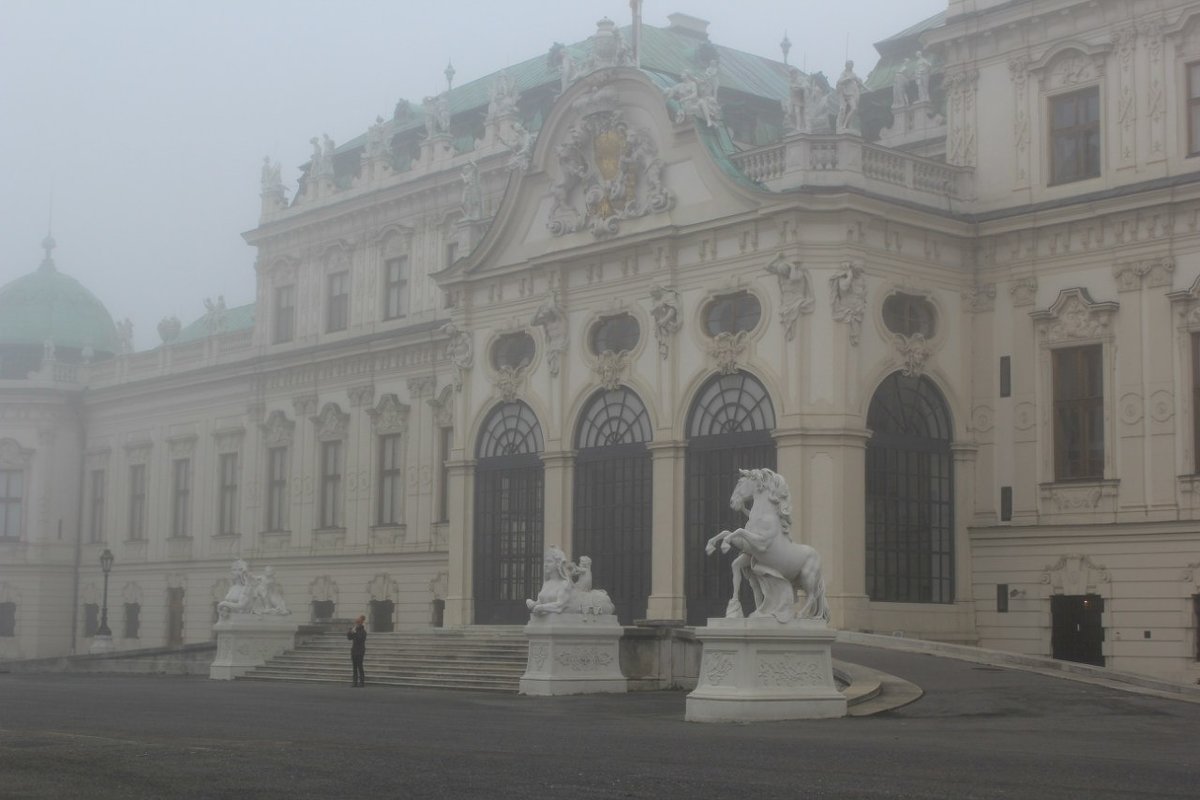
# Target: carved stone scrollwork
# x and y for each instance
(1023, 291)
(1074, 574)
(1074, 316)
(229, 440)
(610, 368)
(181, 446)
(608, 172)
(1154, 272)
(726, 349)
(443, 407)
(979, 298)
(914, 352)
(390, 415)
(795, 289)
(305, 405)
(278, 429)
(332, 423)
(508, 381)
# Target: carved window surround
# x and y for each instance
(332, 423)
(278, 430)
(1074, 320)
(229, 440)
(1148, 272)
(914, 351)
(1185, 312)
(390, 415)
(1077, 574)
(1065, 68)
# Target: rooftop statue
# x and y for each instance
(696, 94)
(472, 192)
(567, 588)
(797, 106)
(252, 594)
(520, 147)
(849, 90)
(770, 561)
(437, 115)
(504, 97)
(921, 69)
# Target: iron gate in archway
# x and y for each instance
(508, 540)
(729, 428)
(613, 498)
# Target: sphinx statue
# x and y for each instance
(567, 588)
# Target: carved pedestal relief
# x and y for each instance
(961, 130)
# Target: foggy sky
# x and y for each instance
(148, 121)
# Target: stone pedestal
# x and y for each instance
(102, 643)
(246, 641)
(757, 669)
(573, 654)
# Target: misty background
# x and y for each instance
(147, 121)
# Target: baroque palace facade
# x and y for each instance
(956, 305)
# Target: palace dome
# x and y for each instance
(47, 305)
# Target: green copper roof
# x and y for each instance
(48, 305)
(238, 318)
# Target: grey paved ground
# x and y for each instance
(977, 732)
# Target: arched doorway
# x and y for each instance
(729, 428)
(612, 498)
(910, 494)
(508, 540)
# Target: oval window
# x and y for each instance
(513, 350)
(615, 334)
(732, 313)
(909, 314)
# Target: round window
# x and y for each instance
(615, 334)
(513, 350)
(909, 314)
(732, 313)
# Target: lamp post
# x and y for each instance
(102, 642)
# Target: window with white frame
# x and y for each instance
(1075, 135)
(181, 482)
(331, 484)
(395, 288)
(227, 506)
(285, 314)
(96, 520)
(337, 302)
(277, 482)
(137, 502)
(391, 480)
(12, 493)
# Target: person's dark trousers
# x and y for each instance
(360, 677)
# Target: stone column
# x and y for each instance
(460, 609)
(558, 476)
(666, 601)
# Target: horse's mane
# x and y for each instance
(777, 492)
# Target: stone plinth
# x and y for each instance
(246, 641)
(757, 669)
(573, 654)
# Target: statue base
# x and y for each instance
(758, 669)
(246, 641)
(573, 654)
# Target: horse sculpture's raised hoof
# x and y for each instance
(771, 562)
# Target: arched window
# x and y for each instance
(613, 505)
(729, 428)
(909, 494)
(508, 537)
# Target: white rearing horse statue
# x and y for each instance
(774, 565)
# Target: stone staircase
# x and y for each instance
(490, 658)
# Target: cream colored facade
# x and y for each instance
(1010, 263)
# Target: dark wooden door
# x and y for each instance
(381, 616)
(174, 617)
(508, 538)
(1077, 629)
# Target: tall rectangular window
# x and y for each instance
(391, 480)
(8, 619)
(12, 490)
(277, 481)
(1006, 501)
(91, 619)
(1193, 108)
(285, 314)
(445, 439)
(337, 303)
(137, 502)
(1078, 413)
(1196, 401)
(181, 482)
(395, 294)
(1006, 376)
(96, 522)
(331, 484)
(1075, 136)
(227, 508)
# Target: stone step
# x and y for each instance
(483, 685)
(400, 666)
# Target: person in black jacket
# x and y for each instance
(358, 636)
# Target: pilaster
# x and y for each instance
(459, 587)
(666, 600)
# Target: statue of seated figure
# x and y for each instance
(567, 588)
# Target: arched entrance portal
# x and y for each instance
(729, 428)
(612, 498)
(910, 494)
(508, 539)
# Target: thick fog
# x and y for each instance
(144, 124)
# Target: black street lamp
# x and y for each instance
(106, 562)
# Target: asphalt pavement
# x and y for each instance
(977, 732)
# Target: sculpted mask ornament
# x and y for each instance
(553, 321)
(795, 289)
(726, 348)
(508, 382)
(608, 172)
(666, 316)
(914, 352)
(610, 367)
(848, 295)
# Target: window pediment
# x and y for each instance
(1070, 64)
(332, 423)
(1075, 317)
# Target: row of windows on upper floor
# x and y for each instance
(395, 299)
(388, 498)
